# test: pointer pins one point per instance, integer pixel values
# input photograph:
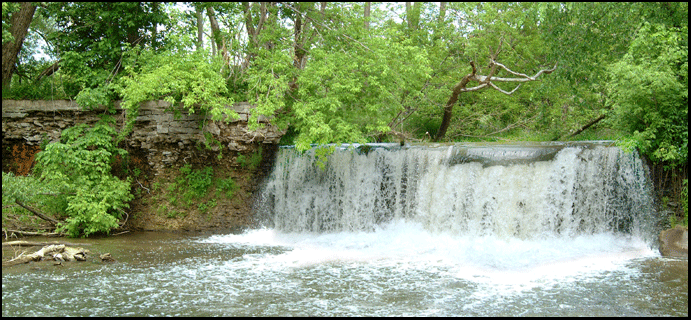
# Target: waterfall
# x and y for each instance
(526, 191)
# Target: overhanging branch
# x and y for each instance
(484, 81)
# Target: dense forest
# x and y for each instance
(370, 72)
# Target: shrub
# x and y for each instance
(78, 168)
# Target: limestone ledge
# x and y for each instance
(36, 120)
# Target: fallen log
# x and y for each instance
(37, 213)
(9, 233)
(22, 243)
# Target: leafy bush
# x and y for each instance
(253, 162)
(684, 199)
(189, 78)
(197, 181)
(228, 186)
(78, 170)
(648, 88)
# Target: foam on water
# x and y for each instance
(510, 264)
(515, 216)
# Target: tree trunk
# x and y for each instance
(448, 108)
(200, 28)
(412, 15)
(367, 13)
(484, 82)
(153, 44)
(215, 30)
(252, 31)
(442, 11)
(37, 213)
(20, 22)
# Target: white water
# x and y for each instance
(581, 190)
(487, 215)
(506, 265)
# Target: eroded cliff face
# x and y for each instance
(158, 147)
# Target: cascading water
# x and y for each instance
(515, 191)
(443, 230)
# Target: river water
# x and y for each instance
(444, 231)
(398, 270)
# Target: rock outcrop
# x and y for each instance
(159, 144)
(675, 242)
(164, 138)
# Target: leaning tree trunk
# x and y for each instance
(448, 108)
(485, 81)
(20, 22)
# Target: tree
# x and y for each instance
(649, 90)
(12, 44)
(93, 36)
(484, 81)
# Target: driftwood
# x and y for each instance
(56, 252)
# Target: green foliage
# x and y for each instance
(31, 191)
(322, 153)
(253, 162)
(648, 89)
(204, 206)
(98, 32)
(196, 181)
(227, 186)
(192, 187)
(91, 99)
(351, 91)
(358, 84)
(187, 78)
(684, 201)
(78, 170)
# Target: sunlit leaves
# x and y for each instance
(648, 88)
(191, 79)
(77, 169)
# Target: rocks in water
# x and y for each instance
(106, 257)
(675, 242)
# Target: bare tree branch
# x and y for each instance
(502, 91)
(474, 88)
(484, 80)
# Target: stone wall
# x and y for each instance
(163, 138)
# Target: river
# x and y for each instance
(387, 272)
